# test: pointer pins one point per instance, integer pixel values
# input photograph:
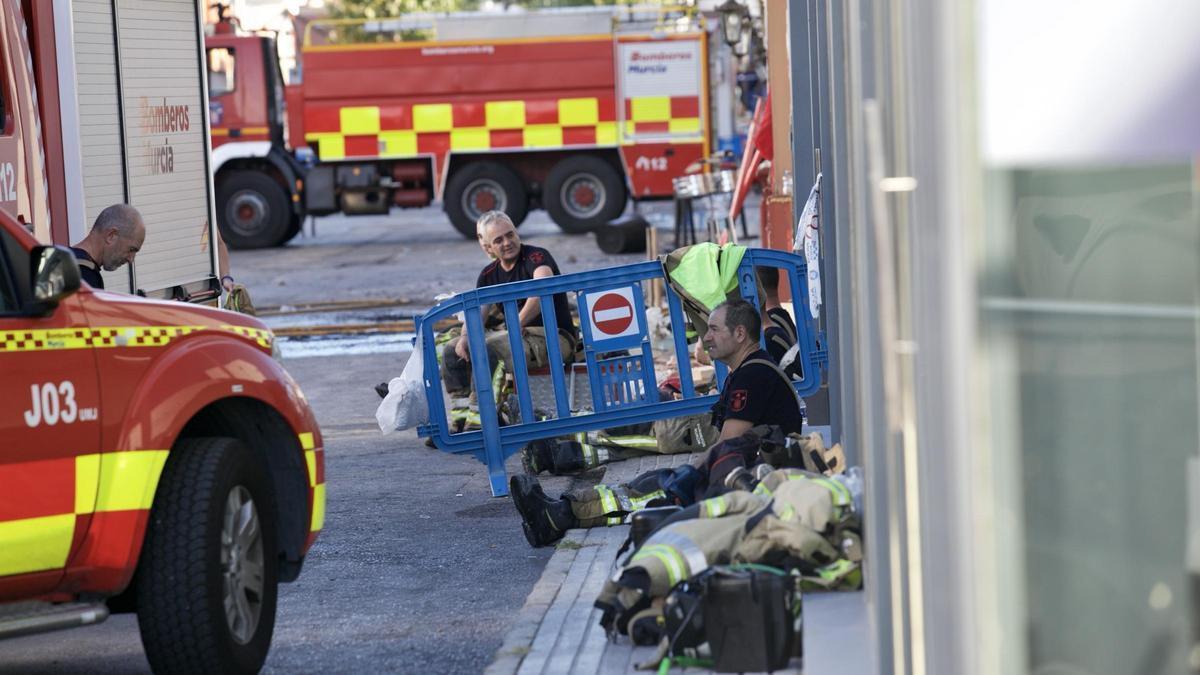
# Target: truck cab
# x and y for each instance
(258, 181)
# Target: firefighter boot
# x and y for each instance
(761, 471)
(568, 457)
(538, 456)
(544, 520)
(741, 479)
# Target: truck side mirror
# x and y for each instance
(55, 276)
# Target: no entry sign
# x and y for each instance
(613, 314)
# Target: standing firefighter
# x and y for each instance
(114, 240)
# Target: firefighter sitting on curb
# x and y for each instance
(514, 261)
(756, 393)
(452, 333)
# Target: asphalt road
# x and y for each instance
(410, 254)
(419, 568)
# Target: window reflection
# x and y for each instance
(1093, 283)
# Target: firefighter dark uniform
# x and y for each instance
(757, 392)
(89, 269)
(458, 370)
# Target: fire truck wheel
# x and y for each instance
(207, 577)
(252, 210)
(480, 187)
(583, 193)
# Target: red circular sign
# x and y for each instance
(612, 314)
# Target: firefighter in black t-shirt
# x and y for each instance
(514, 261)
(755, 393)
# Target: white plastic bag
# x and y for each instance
(405, 406)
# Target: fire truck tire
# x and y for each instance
(479, 187)
(253, 210)
(583, 193)
(207, 578)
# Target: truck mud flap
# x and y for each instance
(320, 197)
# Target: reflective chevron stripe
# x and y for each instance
(116, 337)
(316, 480)
(72, 486)
(410, 130)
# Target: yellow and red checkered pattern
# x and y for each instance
(409, 130)
(49, 504)
(40, 520)
(133, 336)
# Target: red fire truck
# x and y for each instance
(155, 457)
(571, 111)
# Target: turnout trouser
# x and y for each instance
(609, 504)
(603, 505)
(533, 340)
(589, 449)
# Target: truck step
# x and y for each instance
(23, 618)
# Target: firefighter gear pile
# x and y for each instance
(745, 617)
(797, 521)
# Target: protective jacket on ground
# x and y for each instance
(777, 527)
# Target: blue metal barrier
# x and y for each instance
(613, 324)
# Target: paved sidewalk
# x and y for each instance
(558, 630)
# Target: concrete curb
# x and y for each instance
(519, 639)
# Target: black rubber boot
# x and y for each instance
(568, 457)
(538, 456)
(544, 520)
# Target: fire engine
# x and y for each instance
(125, 122)
(574, 111)
(157, 457)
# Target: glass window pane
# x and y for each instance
(1092, 281)
(221, 68)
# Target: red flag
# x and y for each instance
(762, 128)
(758, 147)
